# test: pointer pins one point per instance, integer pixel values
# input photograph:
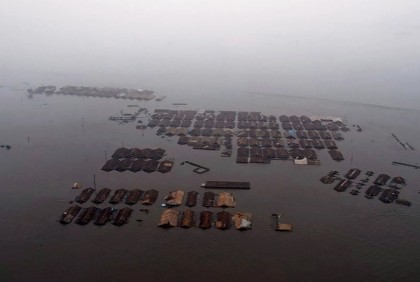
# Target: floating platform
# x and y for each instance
(226, 185)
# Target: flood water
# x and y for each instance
(59, 140)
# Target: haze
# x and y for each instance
(362, 51)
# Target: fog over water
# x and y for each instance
(363, 51)
(335, 58)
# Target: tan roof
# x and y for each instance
(175, 198)
(242, 220)
(225, 199)
(169, 218)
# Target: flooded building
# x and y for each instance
(353, 173)
(382, 179)
(150, 197)
(122, 216)
(69, 214)
(133, 197)
(187, 219)
(242, 221)
(191, 199)
(209, 199)
(118, 196)
(175, 198)
(225, 200)
(101, 196)
(342, 185)
(206, 219)
(169, 218)
(223, 220)
(85, 195)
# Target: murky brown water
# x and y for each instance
(337, 237)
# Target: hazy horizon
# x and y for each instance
(349, 50)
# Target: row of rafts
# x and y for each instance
(169, 218)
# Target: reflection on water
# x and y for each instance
(59, 140)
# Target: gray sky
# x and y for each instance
(351, 50)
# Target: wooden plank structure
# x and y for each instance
(169, 218)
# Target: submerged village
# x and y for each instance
(250, 138)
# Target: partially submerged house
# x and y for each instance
(150, 197)
(175, 198)
(342, 185)
(382, 179)
(223, 220)
(225, 200)
(169, 218)
(353, 173)
(187, 219)
(206, 219)
(242, 221)
(191, 199)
